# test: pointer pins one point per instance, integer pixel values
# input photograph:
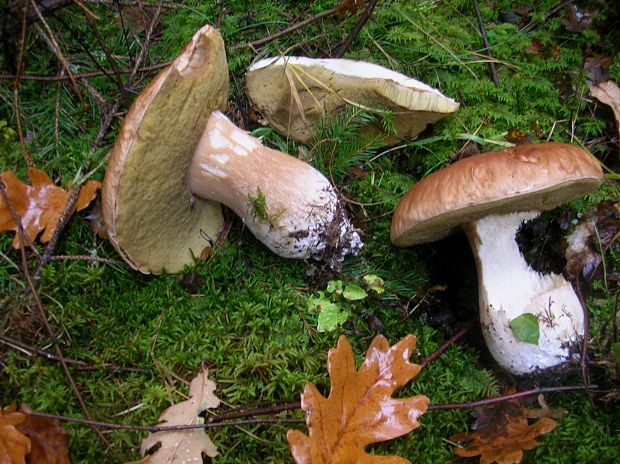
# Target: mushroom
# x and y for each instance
(293, 93)
(178, 158)
(489, 196)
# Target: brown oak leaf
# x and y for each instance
(49, 443)
(38, 205)
(503, 432)
(360, 409)
(14, 445)
(608, 93)
(182, 446)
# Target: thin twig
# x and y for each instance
(487, 45)
(106, 51)
(31, 350)
(216, 422)
(54, 340)
(146, 44)
(439, 351)
(94, 259)
(288, 30)
(166, 428)
(513, 396)
(86, 75)
(16, 85)
(52, 43)
(356, 29)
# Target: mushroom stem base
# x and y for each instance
(509, 288)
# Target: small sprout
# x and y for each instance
(258, 205)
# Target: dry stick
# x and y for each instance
(95, 259)
(146, 44)
(52, 43)
(31, 350)
(356, 29)
(487, 45)
(288, 30)
(164, 428)
(439, 351)
(513, 396)
(106, 51)
(85, 75)
(293, 406)
(54, 340)
(16, 85)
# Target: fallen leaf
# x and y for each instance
(183, 446)
(40, 205)
(360, 409)
(608, 93)
(49, 443)
(14, 445)
(503, 432)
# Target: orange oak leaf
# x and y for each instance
(38, 205)
(49, 443)
(14, 445)
(503, 433)
(360, 409)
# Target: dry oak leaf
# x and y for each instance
(608, 93)
(360, 409)
(38, 205)
(49, 443)
(184, 446)
(14, 445)
(503, 433)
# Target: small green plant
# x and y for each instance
(331, 304)
(260, 209)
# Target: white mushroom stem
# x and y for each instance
(286, 203)
(509, 288)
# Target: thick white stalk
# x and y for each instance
(286, 203)
(509, 288)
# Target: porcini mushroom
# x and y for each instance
(292, 93)
(178, 157)
(490, 196)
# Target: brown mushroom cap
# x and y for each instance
(534, 177)
(151, 216)
(323, 87)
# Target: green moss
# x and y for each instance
(248, 319)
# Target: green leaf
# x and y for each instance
(525, 328)
(330, 318)
(354, 292)
(374, 282)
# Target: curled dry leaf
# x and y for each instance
(360, 409)
(14, 445)
(503, 432)
(184, 446)
(608, 93)
(38, 205)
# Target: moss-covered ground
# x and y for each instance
(243, 312)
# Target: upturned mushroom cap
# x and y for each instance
(323, 87)
(535, 177)
(151, 216)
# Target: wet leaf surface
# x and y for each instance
(360, 409)
(39, 205)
